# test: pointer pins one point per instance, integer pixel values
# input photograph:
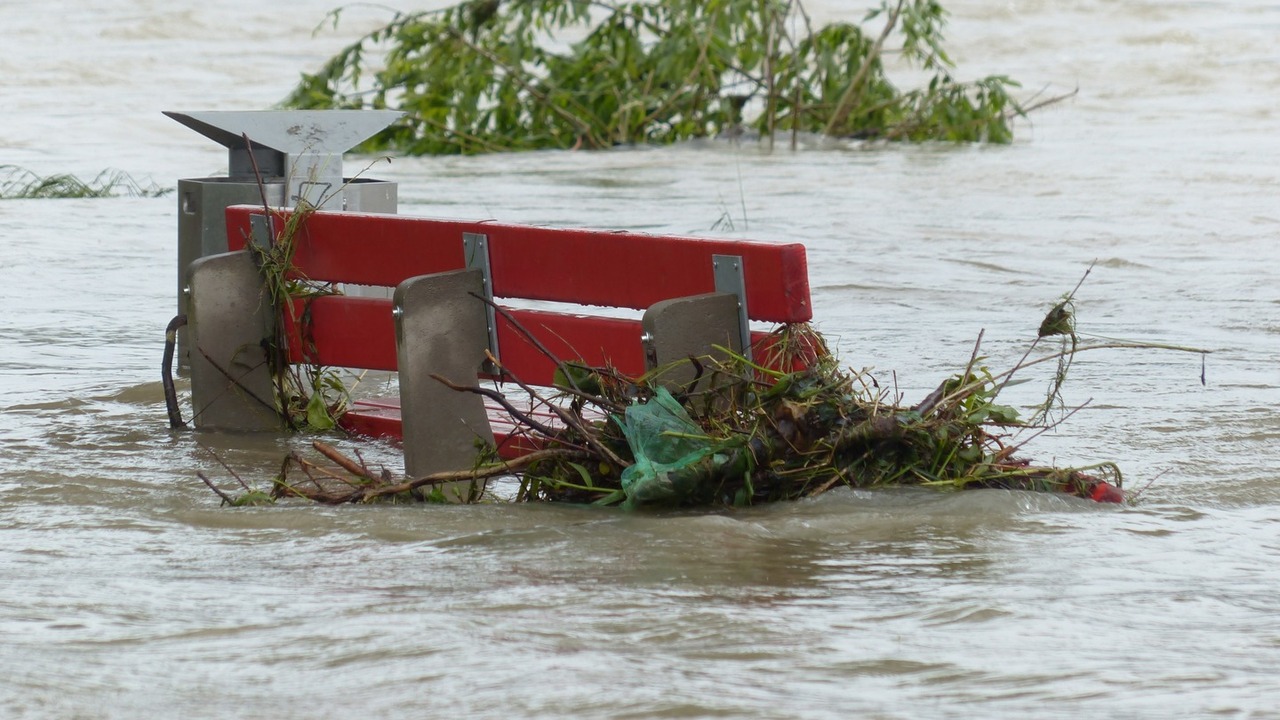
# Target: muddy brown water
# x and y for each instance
(126, 591)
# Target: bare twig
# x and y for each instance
(226, 499)
(1020, 444)
(308, 466)
(565, 417)
(257, 174)
(932, 399)
(1139, 492)
(346, 463)
(1048, 101)
(973, 357)
(968, 388)
(564, 366)
(836, 477)
(505, 468)
(500, 399)
(225, 466)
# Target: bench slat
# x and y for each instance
(596, 341)
(342, 331)
(588, 267)
(359, 332)
(381, 419)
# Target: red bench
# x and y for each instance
(696, 293)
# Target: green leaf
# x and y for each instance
(569, 377)
(318, 417)
(583, 473)
(253, 498)
(1002, 414)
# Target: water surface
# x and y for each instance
(128, 592)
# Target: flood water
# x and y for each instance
(126, 591)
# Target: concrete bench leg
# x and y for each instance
(689, 327)
(230, 322)
(441, 329)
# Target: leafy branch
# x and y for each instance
(501, 75)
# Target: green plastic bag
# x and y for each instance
(664, 441)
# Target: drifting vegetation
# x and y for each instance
(17, 183)
(791, 425)
(500, 75)
(749, 435)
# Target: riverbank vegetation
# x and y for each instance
(499, 75)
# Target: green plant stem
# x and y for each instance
(968, 388)
(846, 103)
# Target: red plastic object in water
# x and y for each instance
(1106, 492)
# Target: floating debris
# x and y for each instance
(792, 424)
(17, 183)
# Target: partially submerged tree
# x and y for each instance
(498, 75)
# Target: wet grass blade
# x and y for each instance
(18, 183)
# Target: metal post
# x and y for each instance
(290, 156)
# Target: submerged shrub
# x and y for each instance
(495, 75)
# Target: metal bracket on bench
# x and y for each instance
(262, 230)
(729, 279)
(475, 253)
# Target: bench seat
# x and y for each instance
(380, 418)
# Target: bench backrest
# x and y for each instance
(583, 267)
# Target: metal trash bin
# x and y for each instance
(297, 155)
